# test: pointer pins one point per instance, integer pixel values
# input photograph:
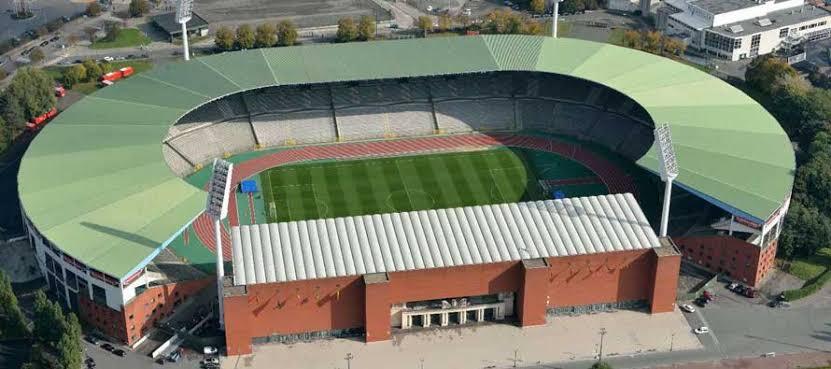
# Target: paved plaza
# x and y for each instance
(487, 346)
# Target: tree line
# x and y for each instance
(30, 93)
(654, 42)
(245, 37)
(804, 111)
(56, 336)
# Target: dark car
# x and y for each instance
(53, 39)
(739, 289)
(91, 339)
(749, 292)
(119, 352)
(160, 361)
(44, 43)
(701, 302)
(107, 346)
(90, 363)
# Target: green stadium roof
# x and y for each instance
(94, 181)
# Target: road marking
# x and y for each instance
(712, 333)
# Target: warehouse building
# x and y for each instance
(739, 29)
(377, 274)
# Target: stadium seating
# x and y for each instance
(176, 162)
(201, 145)
(573, 119)
(479, 115)
(287, 99)
(536, 114)
(303, 127)
(362, 123)
(408, 120)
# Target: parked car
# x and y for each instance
(739, 289)
(107, 346)
(702, 330)
(108, 58)
(160, 361)
(119, 352)
(732, 286)
(688, 308)
(174, 356)
(53, 39)
(701, 302)
(44, 43)
(708, 295)
(209, 350)
(211, 361)
(91, 339)
(90, 362)
(749, 292)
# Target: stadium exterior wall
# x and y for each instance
(737, 259)
(140, 314)
(364, 302)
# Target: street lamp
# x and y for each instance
(183, 14)
(555, 18)
(600, 355)
(349, 358)
(669, 170)
(217, 208)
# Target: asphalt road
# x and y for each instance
(107, 360)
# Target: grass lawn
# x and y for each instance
(396, 184)
(126, 38)
(807, 268)
(87, 88)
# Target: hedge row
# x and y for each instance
(810, 287)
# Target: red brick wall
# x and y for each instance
(741, 260)
(316, 305)
(590, 279)
(664, 288)
(139, 315)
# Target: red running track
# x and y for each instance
(616, 180)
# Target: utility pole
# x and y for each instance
(602, 334)
(516, 357)
(349, 358)
(671, 341)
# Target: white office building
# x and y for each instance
(739, 29)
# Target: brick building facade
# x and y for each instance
(364, 302)
(142, 312)
(735, 258)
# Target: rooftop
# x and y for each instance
(95, 182)
(724, 6)
(426, 239)
(168, 23)
(783, 18)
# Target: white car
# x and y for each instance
(688, 308)
(209, 350)
(702, 330)
(211, 361)
(108, 58)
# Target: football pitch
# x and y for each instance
(396, 184)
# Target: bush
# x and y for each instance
(809, 288)
(601, 365)
(286, 33)
(245, 37)
(139, 8)
(224, 38)
(74, 74)
(37, 55)
(347, 30)
(93, 9)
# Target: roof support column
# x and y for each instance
(377, 307)
(667, 265)
(532, 297)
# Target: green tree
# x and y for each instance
(806, 231)
(139, 8)
(93, 9)
(90, 33)
(73, 75)
(245, 37)
(37, 55)
(673, 46)
(572, 6)
(533, 28)
(93, 70)
(366, 28)
(70, 350)
(445, 22)
(266, 35)
(30, 93)
(425, 24)
(12, 322)
(113, 30)
(49, 320)
(347, 31)
(5, 136)
(224, 38)
(763, 71)
(286, 33)
(537, 6)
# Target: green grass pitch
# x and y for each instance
(396, 184)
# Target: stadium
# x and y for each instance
(400, 185)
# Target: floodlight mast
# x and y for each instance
(669, 170)
(219, 189)
(183, 14)
(555, 18)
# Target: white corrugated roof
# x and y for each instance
(395, 242)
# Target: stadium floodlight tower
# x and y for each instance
(669, 170)
(217, 208)
(555, 17)
(183, 14)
